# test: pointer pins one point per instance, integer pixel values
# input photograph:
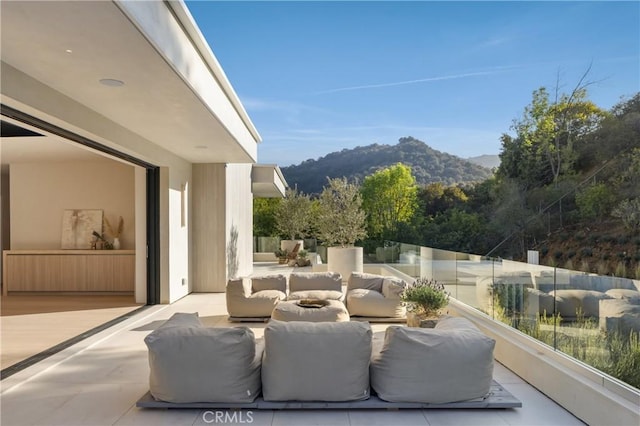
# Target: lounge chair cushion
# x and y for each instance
(393, 288)
(316, 294)
(242, 303)
(315, 285)
(269, 282)
(323, 361)
(432, 365)
(192, 363)
(365, 281)
(370, 303)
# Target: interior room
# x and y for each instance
(59, 278)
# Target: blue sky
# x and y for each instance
(318, 77)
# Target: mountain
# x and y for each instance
(427, 164)
(488, 161)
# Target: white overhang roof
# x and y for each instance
(175, 94)
(267, 181)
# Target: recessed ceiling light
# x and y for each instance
(69, 51)
(112, 82)
(201, 147)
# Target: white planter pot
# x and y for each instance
(345, 260)
(291, 244)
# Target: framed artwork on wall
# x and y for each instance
(78, 227)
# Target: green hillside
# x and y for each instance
(427, 164)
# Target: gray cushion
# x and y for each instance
(324, 361)
(365, 281)
(432, 365)
(241, 303)
(269, 282)
(370, 303)
(190, 363)
(291, 311)
(316, 294)
(393, 288)
(305, 281)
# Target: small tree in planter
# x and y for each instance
(424, 300)
(293, 217)
(339, 224)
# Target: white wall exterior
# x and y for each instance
(223, 205)
(239, 216)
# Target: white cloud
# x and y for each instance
(420, 80)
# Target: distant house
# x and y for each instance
(123, 107)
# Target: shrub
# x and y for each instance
(425, 297)
(568, 265)
(595, 201)
(571, 254)
(602, 268)
(629, 212)
(584, 266)
(544, 251)
(587, 251)
(557, 255)
(621, 270)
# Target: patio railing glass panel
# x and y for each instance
(593, 318)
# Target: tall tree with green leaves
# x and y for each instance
(340, 219)
(543, 147)
(264, 216)
(293, 215)
(389, 196)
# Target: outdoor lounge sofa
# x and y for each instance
(370, 295)
(255, 297)
(323, 362)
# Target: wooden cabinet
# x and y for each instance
(68, 270)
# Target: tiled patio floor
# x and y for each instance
(99, 380)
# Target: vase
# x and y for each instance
(116, 243)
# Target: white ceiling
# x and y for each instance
(71, 45)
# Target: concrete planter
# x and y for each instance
(345, 260)
(291, 244)
(415, 320)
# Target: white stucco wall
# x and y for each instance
(239, 218)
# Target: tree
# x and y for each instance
(264, 216)
(293, 214)
(389, 196)
(543, 148)
(595, 201)
(340, 219)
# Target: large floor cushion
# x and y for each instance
(371, 303)
(192, 363)
(432, 365)
(255, 297)
(324, 361)
(315, 285)
(291, 310)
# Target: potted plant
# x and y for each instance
(424, 300)
(339, 224)
(282, 255)
(303, 259)
(293, 218)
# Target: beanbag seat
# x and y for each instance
(323, 361)
(192, 363)
(452, 362)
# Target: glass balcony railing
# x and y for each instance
(595, 319)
